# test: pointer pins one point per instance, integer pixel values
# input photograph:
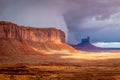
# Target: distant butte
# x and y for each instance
(85, 45)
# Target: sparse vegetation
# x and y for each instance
(61, 73)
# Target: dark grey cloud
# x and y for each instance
(78, 18)
(93, 18)
(88, 9)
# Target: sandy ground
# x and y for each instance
(86, 55)
(62, 65)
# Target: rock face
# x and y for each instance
(10, 30)
(19, 44)
(85, 41)
(34, 38)
(85, 45)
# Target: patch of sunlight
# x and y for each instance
(35, 49)
(81, 55)
(50, 51)
(93, 56)
(56, 52)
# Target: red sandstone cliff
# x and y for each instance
(12, 31)
(19, 44)
(22, 39)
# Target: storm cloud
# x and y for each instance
(99, 19)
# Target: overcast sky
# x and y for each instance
(99, 19)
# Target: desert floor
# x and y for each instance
(77, 66)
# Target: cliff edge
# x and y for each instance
(20, 44)
(10, 30)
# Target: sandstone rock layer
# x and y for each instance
(20, 44)
(10, 30)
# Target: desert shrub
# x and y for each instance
(38, 77)
(12, 77)
(31, 78)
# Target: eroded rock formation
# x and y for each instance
(10, 30)
(20, 44)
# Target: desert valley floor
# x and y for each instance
(69, 66)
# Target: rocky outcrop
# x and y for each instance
(85, 45)
(19, 44)
(10, 30)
